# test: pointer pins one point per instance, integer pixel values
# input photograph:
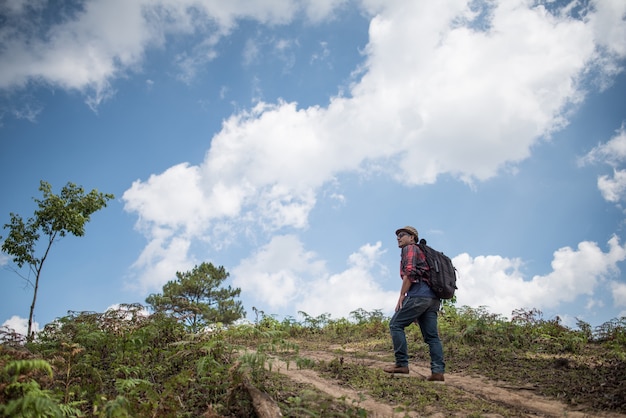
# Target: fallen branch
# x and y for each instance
(264, 405)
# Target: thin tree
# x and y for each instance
(56, 216)
(197, 299)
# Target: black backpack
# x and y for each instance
(442, 275)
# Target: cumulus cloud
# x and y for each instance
(318, 10)
(612, 152)
(619, 295)
(275, 275)
(159, 261)
(611, 186)
(178, 189)
(357, 287)
(499, 284)
(283, 274)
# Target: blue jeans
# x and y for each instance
(424, 311)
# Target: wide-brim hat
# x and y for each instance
(410, 230)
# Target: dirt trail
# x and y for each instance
(518, 398)
(374, 408)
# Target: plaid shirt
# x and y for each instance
(413, 263)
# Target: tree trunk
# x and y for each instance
(29, 335)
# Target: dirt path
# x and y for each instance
(518, 398)
(374, 408)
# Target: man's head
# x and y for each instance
(407, 235)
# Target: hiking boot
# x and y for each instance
(436, 377)
(397, 369)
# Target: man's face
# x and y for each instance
(404, 239)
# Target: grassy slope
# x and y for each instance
(108, 365)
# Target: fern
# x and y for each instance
(72, 409)
(117, 408)
(29, 400)
(123, 385)
(21, 367)
(35, 403)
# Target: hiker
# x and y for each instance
(417, 303)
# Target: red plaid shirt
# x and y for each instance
(413, 263)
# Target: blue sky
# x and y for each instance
(287, 141)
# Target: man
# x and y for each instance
(417, 303)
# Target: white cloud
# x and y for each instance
(283, 274)
(608, 25)
(613, 188)
(159, 262)
(471, 101)
(318, 10)
(20, 325)
(613, 153)
(179, 196)
(609, 30)
(498, 284)
(352, 289)
(81, 54)
(276, 273)
(619, 294)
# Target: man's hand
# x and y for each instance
(406, 285)
(399, 305)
